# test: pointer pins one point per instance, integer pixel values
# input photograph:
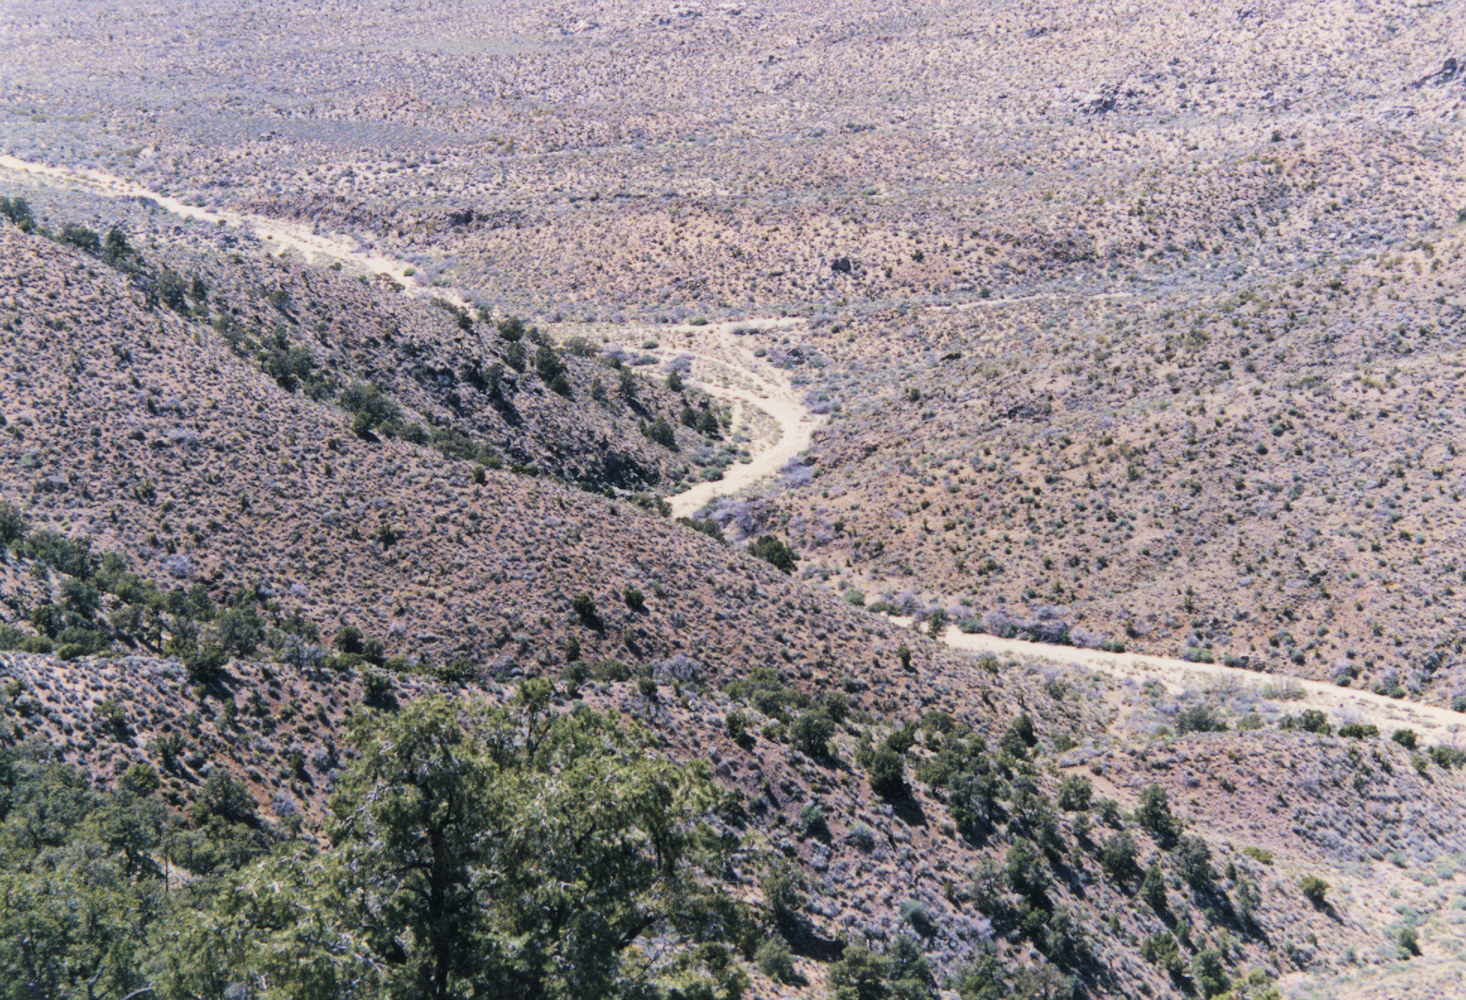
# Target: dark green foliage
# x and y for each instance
(375, 689)
(1193, 863)
(1312, 720)
(1025, 873)
(765, 691)
(963, 771)
(611, 671)
(584, 607)
(1249, 898)
(812, 822)
(774, 552)
(1064, 941)
(439, 885)
(1409, 941)
(547, 364)
(171, 290)
(811, 733)
(661, 432)
(290, 367)
(1406, 738)
(776, 961)
(13, 524)
(1075, 793)
(1154, 815)
(784, 894)
(836, 705)
(139, 780)
(1043, 982)
(634, 599)
(903, 653)
(78, 879)
(348, 639)
(1199, 719)
(1358, 731)
(1161, 949)
(115, 249)
(65, 555)
(1023, 727)
(1209, 973)
(1448, 757)
(1153, 889)
(1314, 888)
(739, 726)
(238, 629)
(901, 740)
(981, 978)
(1019, 738)
(370, 406)
(973, 799)
(515, 357)
(902, 973)
(18, 211)
(1117, 857)
(888, 773)
(707, 526)
(84, 239)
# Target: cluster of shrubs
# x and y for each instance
(97, 605)
(159, 285)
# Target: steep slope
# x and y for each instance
(870, 868)
(141, 428)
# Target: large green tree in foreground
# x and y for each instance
(476, 852)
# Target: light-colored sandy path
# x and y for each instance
(277, 236)
(722, 365)
(1434, 724)
(725, 367)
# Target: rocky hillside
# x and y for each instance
(1078, 867)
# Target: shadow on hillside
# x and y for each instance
(807, 942)
(508, 411)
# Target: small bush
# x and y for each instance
(1405, 737)
(1075, 793)
(1161, 950)
(775, 960)
(374, 688)
(812, 821)
(1199, 719)
(1154, 814)
(739, 728)
(1193, 861)
(1311, 720)
(774, 552)
(1117, 857)
(1209, 973)
(811, 734)
(1153, 889)
(888, 773)
(13, 523)
(1314, 888)
(611, 671)
(1409, 940)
